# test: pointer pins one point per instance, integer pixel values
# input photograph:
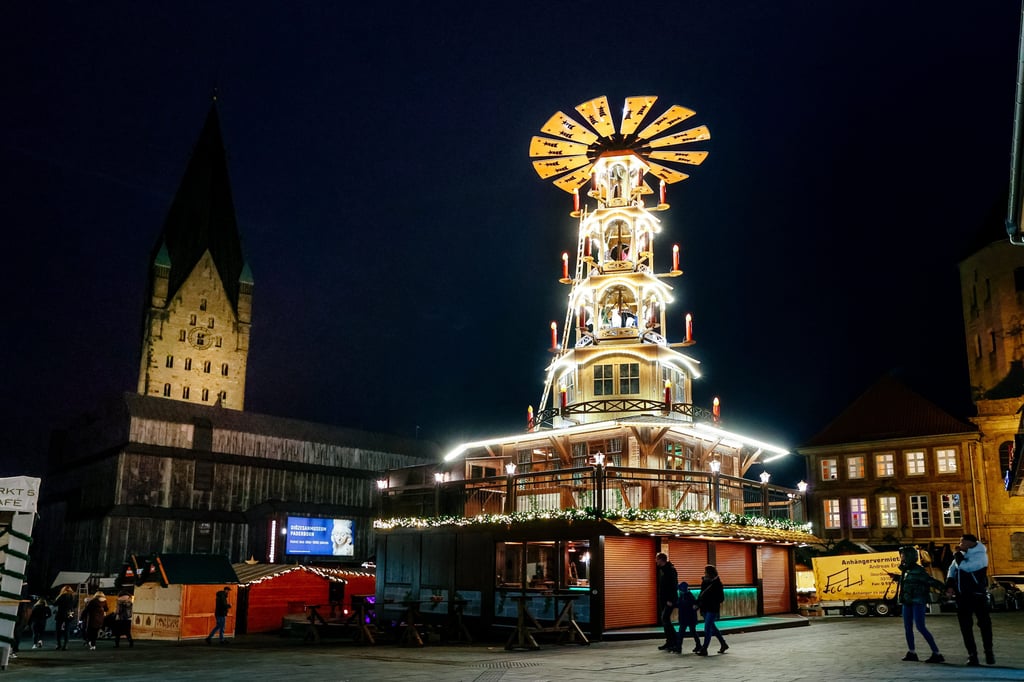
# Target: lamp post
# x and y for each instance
(382, 485)
(765, 508)
(599, 482)
(716, 468)
(510, 488)
(438, 480)
(802, 487)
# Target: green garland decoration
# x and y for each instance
(591, 514)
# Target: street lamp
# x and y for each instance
(510, 491)
(382, 485)
(438, 480)
(716, 468)
(802, 487)
(765, 508)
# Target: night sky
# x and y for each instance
(406, 255)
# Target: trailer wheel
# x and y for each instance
(861, 608)
(883, 608)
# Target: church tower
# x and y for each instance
(199, 303)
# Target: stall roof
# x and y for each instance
(252, 573)
(71, 578)
(716, 531)
(196, 569)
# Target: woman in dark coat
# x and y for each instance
(66, 603)
(92, 618)
(40, 614)
(710, 599)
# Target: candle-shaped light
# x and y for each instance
(554, 335)
(662, 192)
(529, 416)
(565, 396)
(668, 392)
(583, 318)
(675, 257)
(565, 265)
(576, 199)
(586, 247)
(716, 408)
(689, 327)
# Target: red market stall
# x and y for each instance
(175, 595)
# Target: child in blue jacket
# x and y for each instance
(687, 607)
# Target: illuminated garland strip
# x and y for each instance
(591, 514)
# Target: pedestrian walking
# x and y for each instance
(666, 580)
(710, 599)
(92, 618)
(123, 619)
(220, 613)
(915, 591)
(686, 607)
(967, 579)
(66, 604)
(40, 615)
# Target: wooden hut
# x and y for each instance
(175, 595)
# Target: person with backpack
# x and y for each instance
(123, 619)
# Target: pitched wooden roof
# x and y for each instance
(721, 531)
(889, 410)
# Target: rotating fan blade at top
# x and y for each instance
(691, 158)
(574, 180)
(692, 135)
(547, 168)
(545, 146)
(561, 125)
(598, 115)
(633, 113)
(675, 114)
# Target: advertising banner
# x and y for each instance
(324, 537)
(856, 576)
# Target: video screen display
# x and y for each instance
(324, 537)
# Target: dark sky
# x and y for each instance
(405, 253)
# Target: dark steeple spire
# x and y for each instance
(202, 216)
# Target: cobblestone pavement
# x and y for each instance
(830, 648)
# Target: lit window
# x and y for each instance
(629, 378)
(888, 516)
(855, 466)
(951, 513)
(919, 511)
(915, 462)
(945, 459)
(829, 469)
(885, 465)
(604, 380)
(858, 512)
(832, 517)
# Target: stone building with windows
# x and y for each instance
(894, 469)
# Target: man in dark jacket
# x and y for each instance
(667, 580)
(220, 614)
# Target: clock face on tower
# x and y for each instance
(199, 338)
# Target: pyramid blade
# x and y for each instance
(561, 125)
(691, 158)
(550, 167)
(546, 146)
(634, 111)
(667, 174)
(598, 114)
(675, 114)
(574, 180)
(692, 135)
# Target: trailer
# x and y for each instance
(858, 584)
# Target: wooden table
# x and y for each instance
(455, 621)
(411, 633)
(527, 626)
